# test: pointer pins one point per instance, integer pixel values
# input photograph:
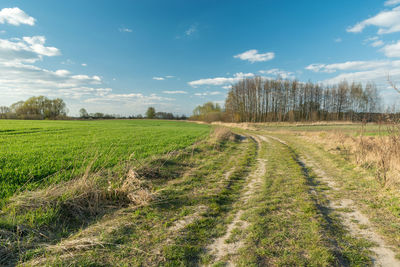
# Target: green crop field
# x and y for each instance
(34, 153)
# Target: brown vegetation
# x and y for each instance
(380, 153)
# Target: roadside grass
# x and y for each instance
(191, 201)
(381, 204)
(290, 224)
(352, 129)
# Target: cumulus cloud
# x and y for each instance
(27, 49)
(19, 78)
(221, 80)
(392, 50)
(364, 72)
(253, 56)
(349, 65)
(16, 17)
(387, 21)
(392, 2)
(379, 76)
(174, 92)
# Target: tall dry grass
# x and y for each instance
(380, 153)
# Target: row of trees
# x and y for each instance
(150, 114)
(38, 107)
(261, 100)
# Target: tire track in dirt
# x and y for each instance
(220, 249)
(357, 223)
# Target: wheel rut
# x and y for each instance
(352, 218)
(221, 250)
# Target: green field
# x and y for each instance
(34, 153)
(250, 195)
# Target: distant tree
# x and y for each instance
(151, 113)
(83, 113)
(4, 111)
(165, 116)
(98, 115)
(208, 112)
(39, 107)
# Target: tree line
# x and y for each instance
(150, 114)
(35, 108)
(273, 100)
(41, 107)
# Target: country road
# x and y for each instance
(292, 208)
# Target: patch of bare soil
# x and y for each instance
(221, 249)
(358, 224)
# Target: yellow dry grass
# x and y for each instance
(382, 153)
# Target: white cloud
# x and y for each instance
(27, 49)
(163, 78)
(277, 72)
(253, 56)
(15, 16)
(349, 65)
(387, 21)
(123, 29)
(392, 50)
(36, 43)
(338, 40)
(62, 73)
(368, 71)
(128, 98)
(174, 92)
(84, 65)
(192, 29)
(373, 41)
(377, 43)
(392, 2)
(221, 80)
(379, 76)
(208, 93)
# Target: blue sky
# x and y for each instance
(123, 56)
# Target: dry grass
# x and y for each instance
(380, 153)
(221, 134)
(87, 195)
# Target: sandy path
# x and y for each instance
(220, 249)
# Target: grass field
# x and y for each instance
(253, 195)
(41, 152)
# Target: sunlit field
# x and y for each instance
(34, 153)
